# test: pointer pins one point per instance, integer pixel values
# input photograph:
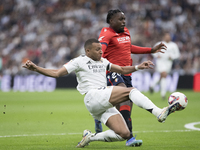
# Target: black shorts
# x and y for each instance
(114, 78)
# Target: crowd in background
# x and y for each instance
(51, 32)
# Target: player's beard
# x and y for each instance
(121, 30)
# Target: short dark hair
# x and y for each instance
(111, 13)
(89, 42)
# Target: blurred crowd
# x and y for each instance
(51, 32)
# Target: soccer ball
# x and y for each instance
(180, 98)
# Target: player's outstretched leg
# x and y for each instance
(115, 122)
(106, 136)
(142, 101)
(98, 126)
(152, 86)
(163, 84)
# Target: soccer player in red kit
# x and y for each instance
(117, 48)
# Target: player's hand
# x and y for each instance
(146, 65)
(30, 65)
(159, 48)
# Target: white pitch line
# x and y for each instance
(191, 126)
(26, 135)
(4, 136)
(162, 131)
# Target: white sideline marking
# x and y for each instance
(191, 126)
(25, 135)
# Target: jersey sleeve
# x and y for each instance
(72, 65)
(104, 47)
(104, 38)
(107, 64)
(140, 50)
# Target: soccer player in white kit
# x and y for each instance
(164, 62)
(99, 99)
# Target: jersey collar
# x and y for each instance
(125, 31)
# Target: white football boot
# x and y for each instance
(167, 111)
(86, 138)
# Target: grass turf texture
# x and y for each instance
(56, 120)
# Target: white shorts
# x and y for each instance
(97, 103)
(163, 65)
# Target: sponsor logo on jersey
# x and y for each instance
(124, 39)
(97, 68)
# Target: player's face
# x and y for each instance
(118, 22)
(95, 52)
(167, 37)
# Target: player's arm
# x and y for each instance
(104, 38)
(147, 50)
(130, 69)
(47, 72)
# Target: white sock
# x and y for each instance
(106, 136)
(163, 87)
(142, 101)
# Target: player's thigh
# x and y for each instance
(116, 79)
(128, 102)
(119, 94)
(119, 105)
(118, 125)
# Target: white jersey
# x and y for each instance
(171, 52)
(164, 61)
(90, 74)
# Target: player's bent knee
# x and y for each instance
(125, 134)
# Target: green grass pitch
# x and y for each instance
(56, 120)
